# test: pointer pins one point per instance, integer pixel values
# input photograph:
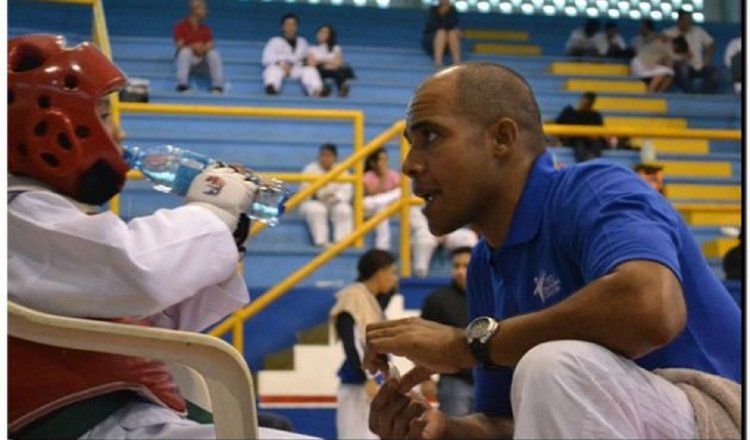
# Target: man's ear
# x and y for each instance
(504, 133)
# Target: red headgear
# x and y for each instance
(55, 132)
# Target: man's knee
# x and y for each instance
(314, 209)
(342, 211)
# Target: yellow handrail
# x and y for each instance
(635, 131)
(235, 322)
(356, 116)
(283, 287)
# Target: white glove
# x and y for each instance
(223, 191)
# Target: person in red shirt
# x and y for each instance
(195, 49)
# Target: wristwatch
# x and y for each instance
(478, 334)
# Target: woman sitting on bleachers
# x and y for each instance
(327, 56)
(653, 63)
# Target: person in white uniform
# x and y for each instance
(424, 243)
(284, 56)
(175, 268)
(332, 201)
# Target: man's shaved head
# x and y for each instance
(486, 92)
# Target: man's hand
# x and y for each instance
(223, 191)
(395, 415)
(435, 347)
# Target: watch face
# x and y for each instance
(478, 328)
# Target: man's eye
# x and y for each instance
(429, 135)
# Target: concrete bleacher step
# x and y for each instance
(705, 192)
(705, 214)
(627, 104)
(604, 86)
(632, 121)
(697, 168)
(680, 146)
(507, 49)
(718, 247)
(497, 35)
(589, 69)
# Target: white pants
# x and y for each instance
(580, 390)
(424, 243)
(317, 214)
(307, 75)
(352, 413)
(186, 61)
(375, 204)
(142, 420)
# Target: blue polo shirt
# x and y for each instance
(574, 225)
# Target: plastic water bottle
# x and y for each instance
(172, 169)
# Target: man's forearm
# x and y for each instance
(479, 426)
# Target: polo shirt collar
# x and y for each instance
(527, 217)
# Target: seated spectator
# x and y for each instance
(646, 33)
(332, 201)
(424, 243)
(653, 63)
(610, 43)
(447, 305)
(441, 33)
(734, 62)
(195, 49)
(328, 58)
(284, 57)
(733, 262)
(582, 41)
(381, 189)
(652, 174)
(584, 148)
(695, 62)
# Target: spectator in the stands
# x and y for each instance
(653, 62)
(441, 33)
(733, 262)
(332, 201)
(284, 57)
(584, 147)
(610, 43)
(652, 174)
(695, 62)
(381, 189)
(735, 63)
(447, 305)
(646, 33)
(195, 49)
(424, 243)
(582, 41)
(328, 57)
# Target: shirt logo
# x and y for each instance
(546, 285)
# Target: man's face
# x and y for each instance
(200, 10)
(683, 22)
(585, 104)
(326, 159)
(460, 266)
(387, 278)
(289, 27)
(450, 161)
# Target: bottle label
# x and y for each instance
(183, 177)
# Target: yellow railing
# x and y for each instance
(356, 116)
(235, 323)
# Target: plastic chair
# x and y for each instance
(226, 374)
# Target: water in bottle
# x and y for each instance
(172, 169)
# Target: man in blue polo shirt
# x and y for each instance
(585, 282)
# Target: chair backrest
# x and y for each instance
(225, 371)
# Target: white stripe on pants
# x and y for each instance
(576, 389)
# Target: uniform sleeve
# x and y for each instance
(97, 266)
(615, 217)
(344, 191)
(345, 328)
(271, 52)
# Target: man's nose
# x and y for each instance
(412, 166)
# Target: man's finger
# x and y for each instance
(412, 378)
